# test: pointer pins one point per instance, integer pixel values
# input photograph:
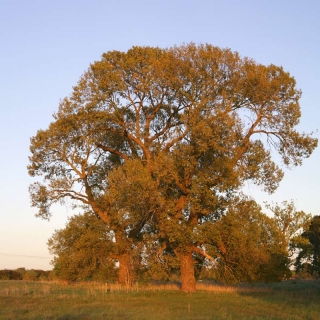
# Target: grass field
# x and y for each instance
(48, 300)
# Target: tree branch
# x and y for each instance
(203, 253)
(113, 151)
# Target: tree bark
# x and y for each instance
(124, 277)
(188, 281)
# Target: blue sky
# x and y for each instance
(46, 46)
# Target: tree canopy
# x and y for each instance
(247, 245)
(83, 250)
(292, 223)
(194, 122)
(309, 250)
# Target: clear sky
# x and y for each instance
(46, 46)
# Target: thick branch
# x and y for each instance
(92, 202)
(246, 139)
(94, 165)
(160, 133)
(152, 115)
(181, 203)
(160, 251)
(72, 195)
(139, 226)
(113, 151)
(202, 252)
(174, 141)
(74, 168)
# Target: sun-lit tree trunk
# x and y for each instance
(188, 281)
(124, 277)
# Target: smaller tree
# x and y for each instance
(308, 258)
(31, 275)
(83, 250)
(247, 245)
(290, 221)
(21, 271)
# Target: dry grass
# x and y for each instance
(233, 289)
(214, 288)
(55, 300)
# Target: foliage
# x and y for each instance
(290, 221)
(247, 245)
(83, 250)
(308, 259)
(31, 275)
(21, 271)
(194, 122)
(23, 274)
(9, 275)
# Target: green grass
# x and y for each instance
(45, 300)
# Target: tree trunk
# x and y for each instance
(188, 281)
(124, 269)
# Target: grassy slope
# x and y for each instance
(32, 300)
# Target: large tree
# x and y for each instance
(206, 116)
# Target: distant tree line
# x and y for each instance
(29, 275)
